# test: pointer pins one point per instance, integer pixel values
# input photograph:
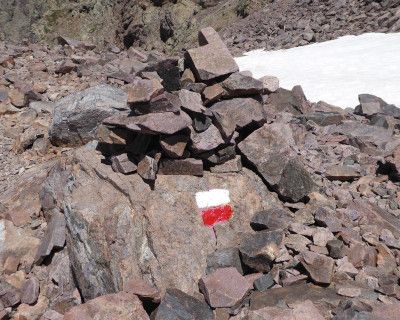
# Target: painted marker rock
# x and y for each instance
(214, 205)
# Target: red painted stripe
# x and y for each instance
(213, 215)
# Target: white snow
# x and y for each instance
(335, 71)
(212, 198)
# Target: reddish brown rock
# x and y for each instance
(123, 164)
(318, 266)
(233, 165)
(147, 168)
(142, 90)
(213, 93)
(174, 146)
(121, 306)
(239, 85)
(224, 288)
(206, 140)
(11, 264)
(188, 166)
(342, 173)
(143, 290)
(66, 67)
(30, 291)
(191, 102)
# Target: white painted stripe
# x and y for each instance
(212, 198)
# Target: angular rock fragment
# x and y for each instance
(234, 165)
(30, 291)
(66, 67)
(77, 116)
(260, 249)
(201, 122)
(9, 295)
(264, 283)
(191, 102)
(271, 219)
(208, 35)
(188, 166)
(143, 90)
(54, 237)
(122, 306)
(223, 258)
(152, 123)
(335, 248)
(342, 173)
(123, 164)
(147, 168)
(143, 290)
(295, 183)
(270, 83)
(213, 93)
(319, 267)
(174, 146)
(207, 140)
(179, 305)
(224, 288)
(239, 85)
(238, 113)
(211, 61)
(297, 242)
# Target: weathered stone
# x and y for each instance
(213, 93)
(371, 105)
(143, 290)
(260, 249)
(191, 102)
(147, 168)
(350, 292)
(11, 264)
(142, 90)
(52, 315)
(239, 85)
(201, 123)
(208, 35)
(270, 83)
(9, 295)
(318, 266)
(297, 242)
(291, 295)
(323, 118)
(30, 291)
(385, 258)
(236, 114)
(179, 305)
(188, 166)
(234, 165)
(105, 259)
(77, 116)
(264, 283)
(165, 102)
(335, 248)
(152, 123)
(224, 288)
(271, 219)
(223, 258)
(211, 61)
(54, 237)
(123, 164)
(206, 140)
(342, 173)
(122, 306)
(321, 236)
(174, 146)
(296, 183)
(283, 101)
(65, 67)
(187, 77)
(18, 98)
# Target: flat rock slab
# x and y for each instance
(319, 267)
(152, 123)
(211, 61)
(179, 305)
(224, 288)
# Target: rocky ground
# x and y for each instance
(171, 26)
(293, 23)
(103, 154)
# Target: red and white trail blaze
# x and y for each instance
(214, 205)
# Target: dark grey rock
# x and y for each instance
(179, 305)
(271, 219)
(77, 116)
(239, 85)
(223, 258)
(188, 166)
(265, 282)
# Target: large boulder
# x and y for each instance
(77, 116)
(124, 230)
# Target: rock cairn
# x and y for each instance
(174, 131)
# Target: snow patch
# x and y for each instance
(335, 71)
